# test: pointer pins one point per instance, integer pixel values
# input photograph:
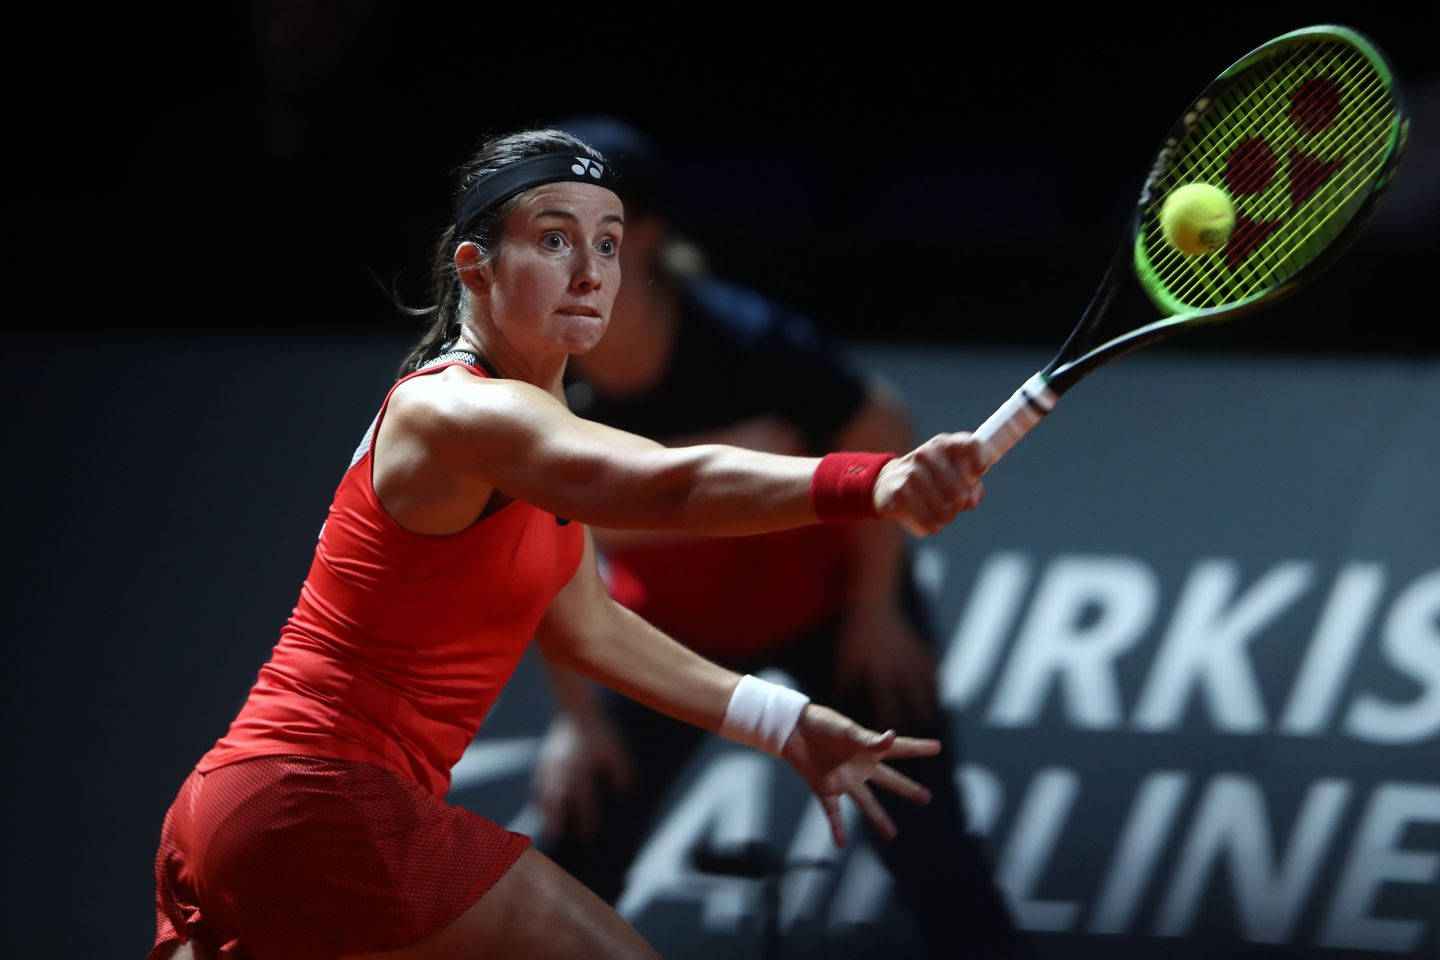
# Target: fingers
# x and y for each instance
(889, 745)
(944, 469)
(933, 486)
(914, 527)
(966, 457)
(870, 740)
(929, 486)
(899, 784)
(875, 813)
(912, 747)
(917, 502)
(969, 456)
(975, 496)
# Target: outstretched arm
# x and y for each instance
(586, 631)
(511, 436)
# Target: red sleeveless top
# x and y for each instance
(401, 641)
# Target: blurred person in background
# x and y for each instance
(689, 359)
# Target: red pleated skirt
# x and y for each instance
(283, 857)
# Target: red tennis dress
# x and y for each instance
(316, 826)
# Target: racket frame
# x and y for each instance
(1038, 395)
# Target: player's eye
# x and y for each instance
(607, 246)
(553, 241)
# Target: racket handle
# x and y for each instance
(1016, 416)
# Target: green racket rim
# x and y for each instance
(1199, 286)
(1330, 30)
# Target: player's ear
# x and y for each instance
(473, 268)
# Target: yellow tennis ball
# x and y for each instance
(1197, 218)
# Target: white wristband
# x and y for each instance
(762, 714)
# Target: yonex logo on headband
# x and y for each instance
(586, 165)
(497, 186)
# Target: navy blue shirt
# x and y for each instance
(737, 356)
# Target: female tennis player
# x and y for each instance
(316, 827)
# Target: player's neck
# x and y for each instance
(635, 352)
(546, 372)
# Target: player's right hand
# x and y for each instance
(925, 489)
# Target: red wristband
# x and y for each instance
(843, 487)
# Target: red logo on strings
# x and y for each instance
(1252, 165)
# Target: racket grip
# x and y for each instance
(1016, 416)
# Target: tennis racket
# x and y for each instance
(1304, 134)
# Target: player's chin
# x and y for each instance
(581, 332)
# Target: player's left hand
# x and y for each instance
(879, 656)
(837, 756)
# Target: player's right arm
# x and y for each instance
(510, 436)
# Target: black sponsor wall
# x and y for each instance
(164, 495)
(1195, 645)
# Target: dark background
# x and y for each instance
(905, 177)
(210, 202)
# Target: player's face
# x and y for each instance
(558, 270)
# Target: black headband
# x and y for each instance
(501, 185)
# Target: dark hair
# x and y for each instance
(445, 286)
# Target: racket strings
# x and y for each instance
(1327, 195)
(1236, 104)
(1323, 114)
(1352, 157)
(1307, 177)
(1250, 160)
(1244, 102)
(1321, 191)
(1251, 166)
(1255, 226)
(1307, 245)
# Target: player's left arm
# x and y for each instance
(587, 632)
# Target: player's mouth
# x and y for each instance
(579, 311)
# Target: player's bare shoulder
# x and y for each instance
(441, 402)
(457, 407)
